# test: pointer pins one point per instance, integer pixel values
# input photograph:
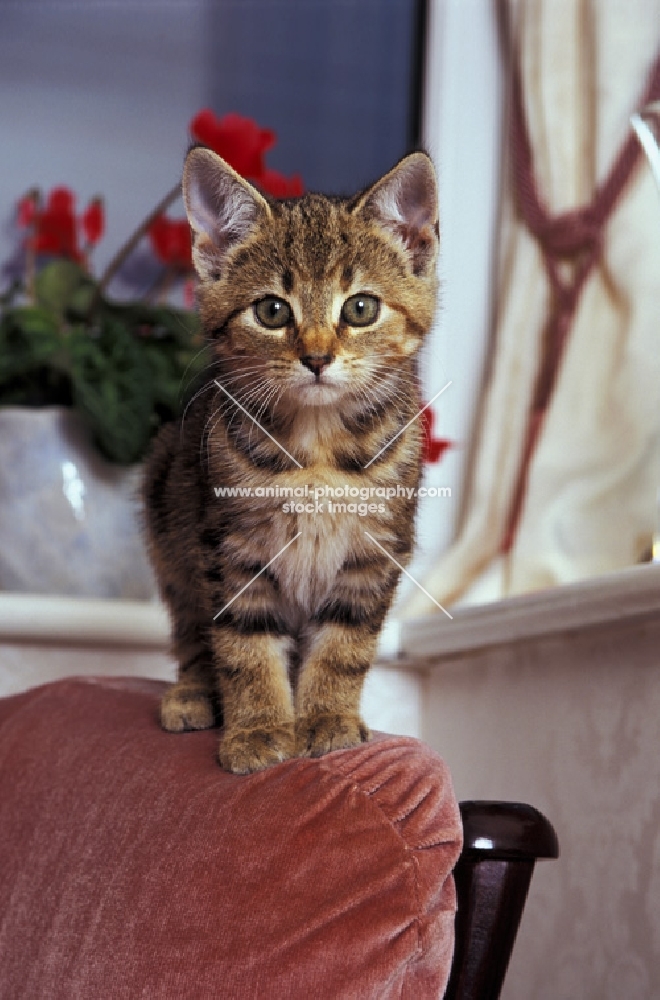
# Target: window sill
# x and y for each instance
(628, 595)
(631, 594)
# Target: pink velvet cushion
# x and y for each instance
(132, 866)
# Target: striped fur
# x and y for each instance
(284, 663)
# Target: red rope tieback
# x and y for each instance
(575, 237)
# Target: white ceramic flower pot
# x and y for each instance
(70, 521)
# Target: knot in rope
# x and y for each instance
(569, 234)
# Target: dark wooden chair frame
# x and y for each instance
(502, 842)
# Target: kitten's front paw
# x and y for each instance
(185, 708)
(245, 750)
(319, 734)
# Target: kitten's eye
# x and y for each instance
(360, 310)
(273, 312)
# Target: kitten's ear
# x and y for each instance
(221, 206)
(405, 203)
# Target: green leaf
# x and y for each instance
(159, 322)
(112, 389)
(82, 299)
(171, 371)
(181, 325)
(122, 366)
(31, 321)
(57, 283)
(29, 338)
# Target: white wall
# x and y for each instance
(569, 724)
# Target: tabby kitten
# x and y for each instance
(315, 309)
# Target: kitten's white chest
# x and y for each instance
(308, 568)
(327, 533)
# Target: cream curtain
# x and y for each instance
(590, 500)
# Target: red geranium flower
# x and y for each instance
(55, 226)
(93, 221)
(237, 140)
(243, 144)
(433, 448)
(170, 239)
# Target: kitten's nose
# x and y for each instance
(316, 362)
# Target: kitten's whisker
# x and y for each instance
(224, 360)
(279, 396)
(224, 407)
(207, 432)
(192, 361)
(384, 389)
(208, 385)
(237, 378)
(384, 393)
(183, 326)
(265, 390)
(247, 373)
(384, 377)
(207, 367)
(254, 397)
(253, 393)
(397, 402)
(255, 378)
(267, 433)
(199, 391)
(245, 390)
(270, 392)
(247, 399)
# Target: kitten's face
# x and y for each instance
(319, 301)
